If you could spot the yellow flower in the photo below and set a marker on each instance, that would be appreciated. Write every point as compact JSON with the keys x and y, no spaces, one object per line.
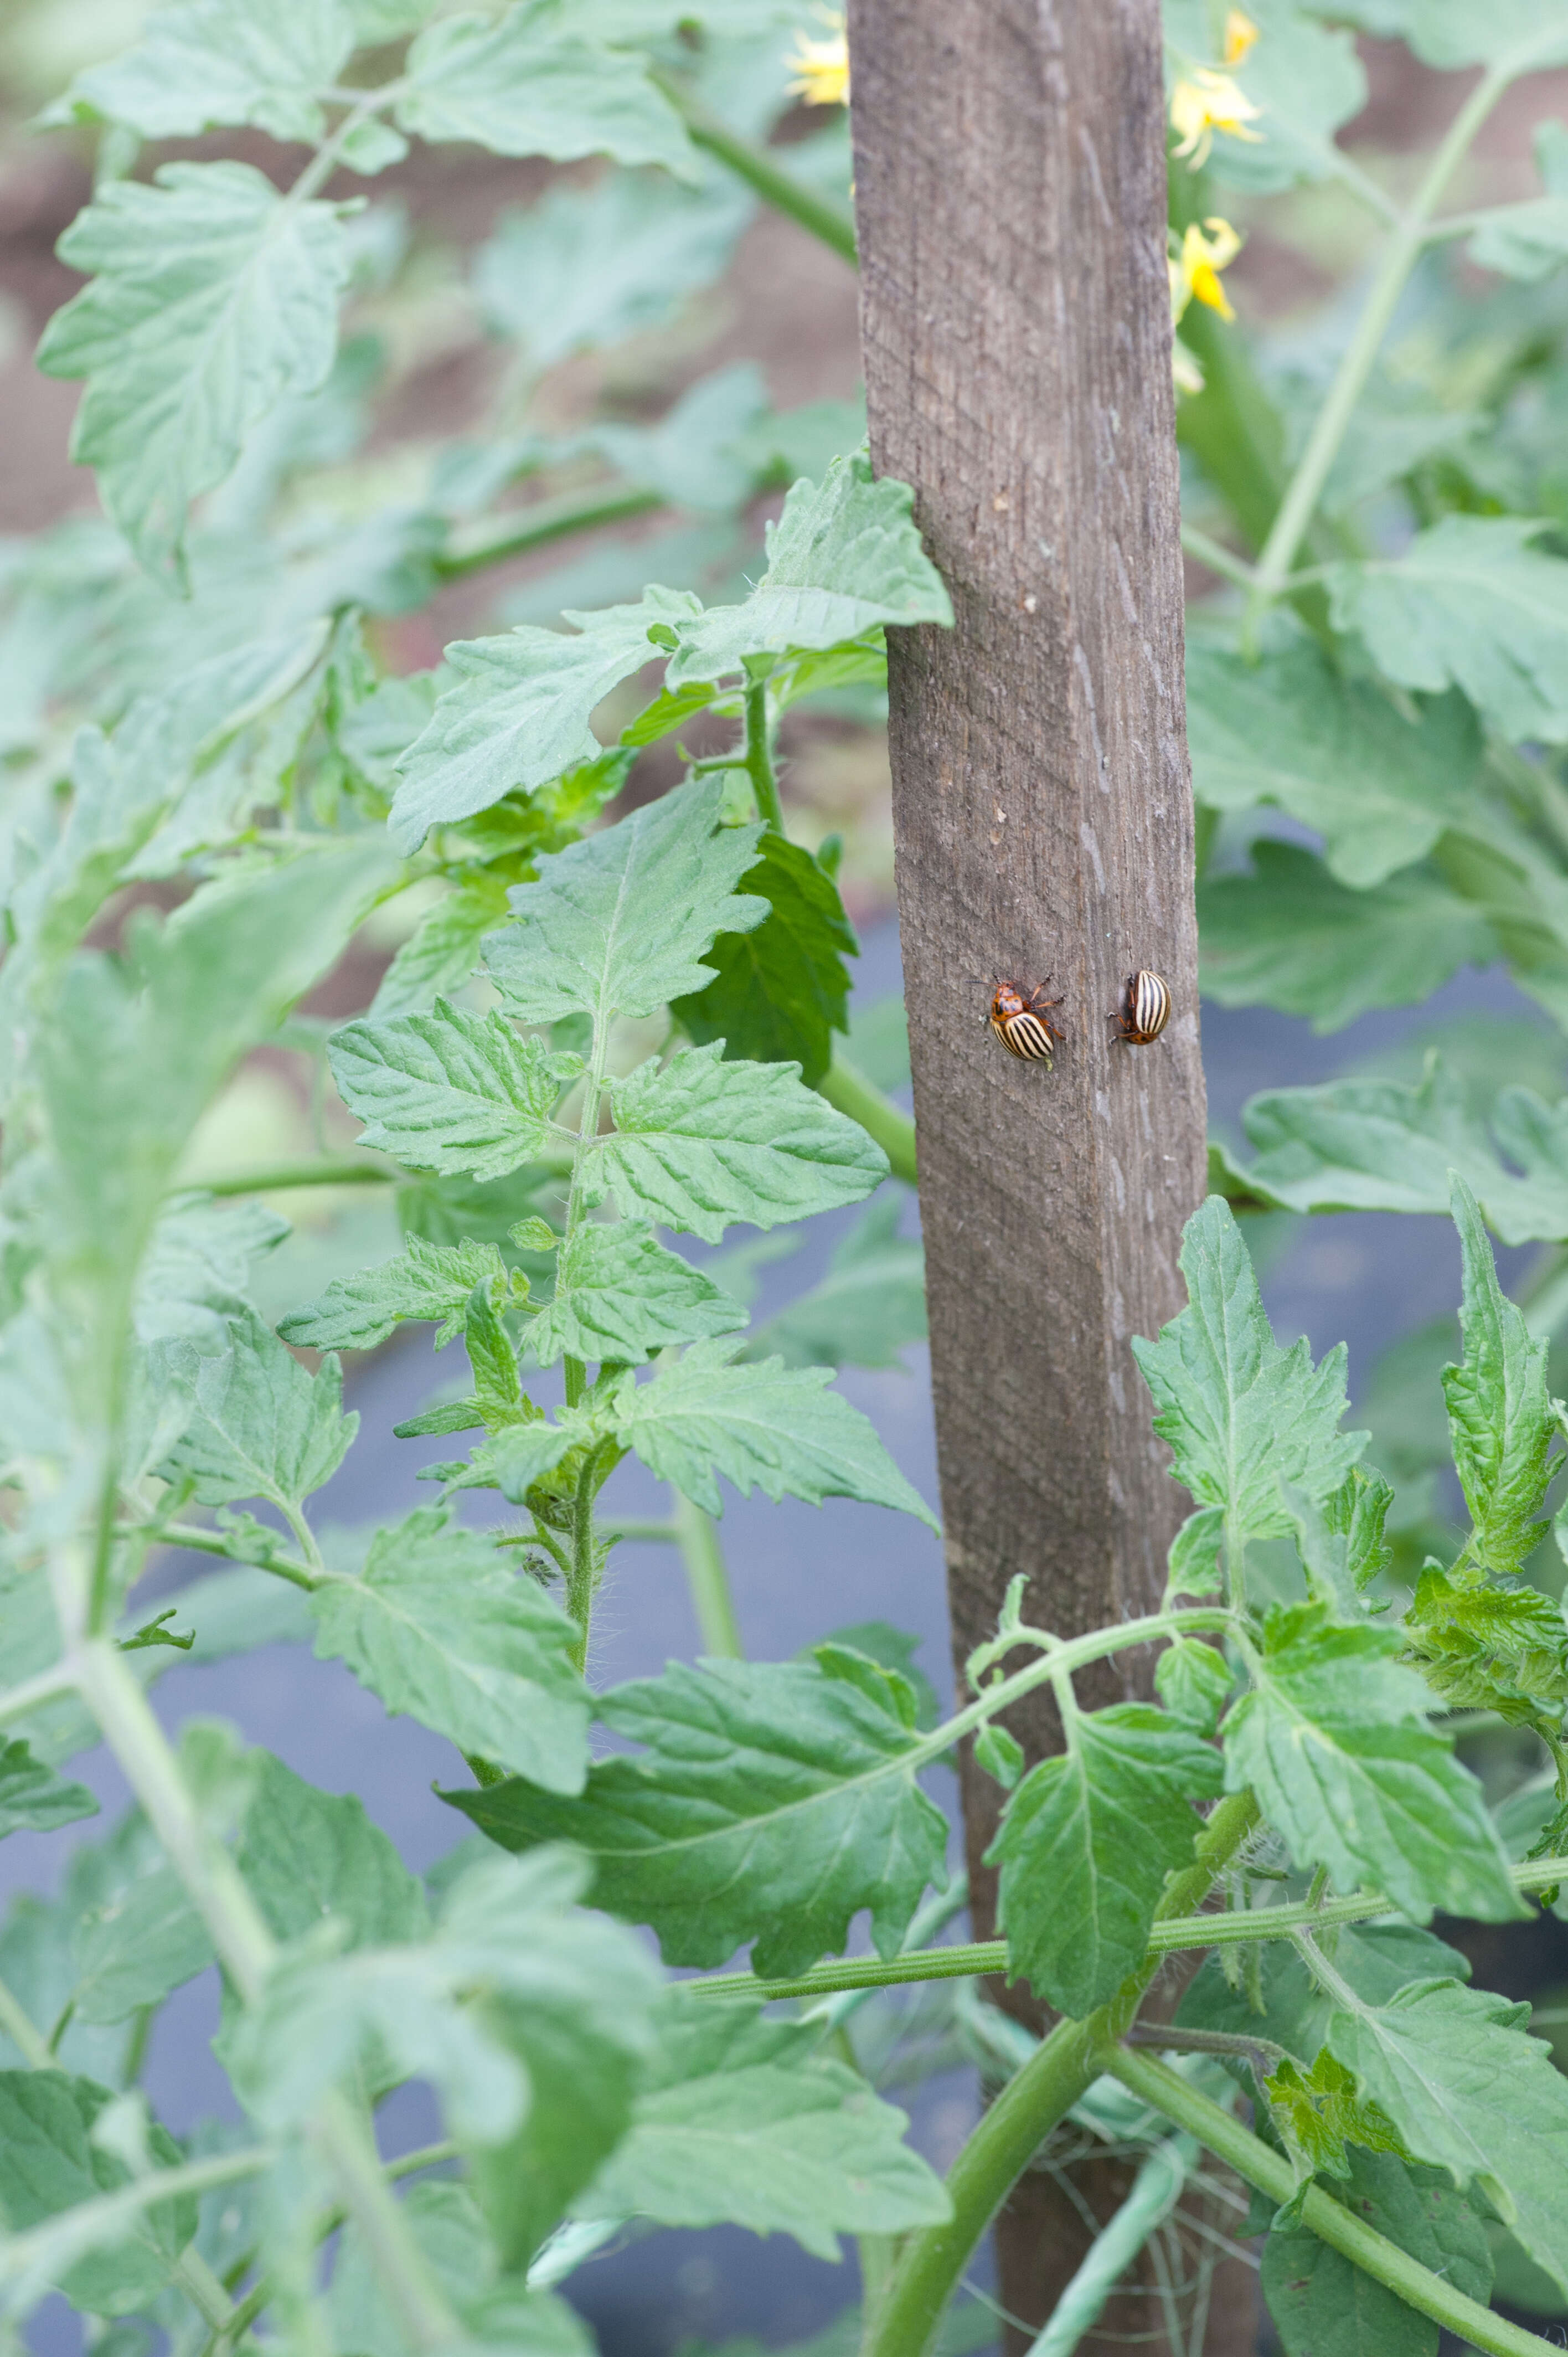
{"x":1210,"y":101}
{"x":1194,"y":271}
{"x":823,"y":67}
{"x":1240,"y":35}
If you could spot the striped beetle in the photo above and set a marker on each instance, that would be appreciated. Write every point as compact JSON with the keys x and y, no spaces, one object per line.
{"x":1021,"y":1020}
{"x":1144,"y":1011}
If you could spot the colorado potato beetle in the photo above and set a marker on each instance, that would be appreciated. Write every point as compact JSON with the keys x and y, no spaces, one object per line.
{"x":1021,"y":1019}
{"x":1144,"y":1011}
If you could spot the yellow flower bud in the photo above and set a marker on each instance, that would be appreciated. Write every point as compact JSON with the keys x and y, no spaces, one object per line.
{"x":1240,"y":35}
{"x":1208,"y":103}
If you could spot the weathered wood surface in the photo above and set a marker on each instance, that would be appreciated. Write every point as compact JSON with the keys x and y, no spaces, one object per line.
{"x":1010,"y":193}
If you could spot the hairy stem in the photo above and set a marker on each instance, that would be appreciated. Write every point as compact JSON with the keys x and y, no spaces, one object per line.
{"x":1163,"y":2088}
{"x":1060,"y":2069}
{"x":757,"y":757}
{"x":707,"y":1579}
{"x":757,"y":167}
{"x":582,"y":1576}
{"x":850,"y":1092}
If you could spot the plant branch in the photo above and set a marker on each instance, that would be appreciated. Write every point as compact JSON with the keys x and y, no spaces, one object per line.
{"x":757,"y":167}
{"x":31,"y":1695}
{"x":1158,"y":2085}
{"x":850,"y":1092}
{"x":1305,"y":485}
{"x":707,"y":1579}
{"x":23,"y":2033}
{"x":1058,"y":2073}
{"x":32,"y":2261}
{"x":1218,"y":558}
{"x":247,"y":1950}
{"x":970,"y":1959}
{"x":202,"y":1541}
{"x":334,"y":1171}
{"x":756,"y":758}
{"x":521,"y":529}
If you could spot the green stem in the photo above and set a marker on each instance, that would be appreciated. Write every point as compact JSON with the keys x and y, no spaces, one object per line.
{"x":33,"y":1693}
{"x":1218,"y":559}
{"x":521,"y":529}
{"x":582,"y":1572}
{"x":853,"y":1094}
{"x":757,"y":168}
{"x":246,"y":1949}
{"x":1059,"y":2073}
{"x":1306,"y":486}
{"x":202,"y":1541}
{"x":757,"y":758}
{"x":23,"y":2033}
{"x":256,"y":2298}
{"x":44,"y":2252}
{"x":707,"y":1579}
{"x":270,"y":1179}
{"x":1156,"y":2084}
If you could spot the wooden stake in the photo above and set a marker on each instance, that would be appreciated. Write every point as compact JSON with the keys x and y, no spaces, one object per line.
{"x":1010,"y":194}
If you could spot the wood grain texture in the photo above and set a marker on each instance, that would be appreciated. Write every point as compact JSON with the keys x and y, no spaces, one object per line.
{"x":1010,"y":194}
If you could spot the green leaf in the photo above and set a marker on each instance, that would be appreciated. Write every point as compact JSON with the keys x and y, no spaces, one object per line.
{"x":1192,"y":1562}
{"x":140,"y":1941}
{"x":518,"y":716}
{"x":443,"y":2221}
{"x":865,"y":1312}
{"x":450,"y":1090}
{"x":1085,"y":1846}
{"x":1239,"y":1413}
{"x":1305,"y":82}
{"x":48,"y":2163}
{"x":128,"y":1056}
{"x":1470,"y":604}
{"x":781,"y":1428}
{"x":1378,"y":1146}
{"x":443,"y":952}
{"x":197,"y":1265}
{"x":700,"y":1143}
{"x":1317,"y":2112}
{"x":213,"y":301}
{"x":621,"y":1294}
{"x":844,"y":556}
{"x":1488,"y":1646}
{"x":1194,"y":1682}
{"x":741,"y":2122}
{"x":1459,"y":32}
{"x":1290,"y":729}
{"x":512,"y":1948}
{"x":1470,"y":2092}
{"x":1500,"y":1413}
{"x":1523,"y":241}
{"x":773,"y":1802}
{"x":498,"y":1384}
{"x":1289,"y":936}
{"x":203,"y":62}
{"x":620,"y":922}
{"x":524,"y":1456}
{"x":584,"y":268}
{"x":1322,"y":2303}
{"x":781,"y":990}
{"x":1285,"y":2003}
{"x":429,"y":1282}
{"x":1332,"y":1739}
{"x":522,"y":85}
{"x":261,"y":1427}
{"x":310,"y":1856}
{"x":439,"y":1626}
{"x":33,"y":1799}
